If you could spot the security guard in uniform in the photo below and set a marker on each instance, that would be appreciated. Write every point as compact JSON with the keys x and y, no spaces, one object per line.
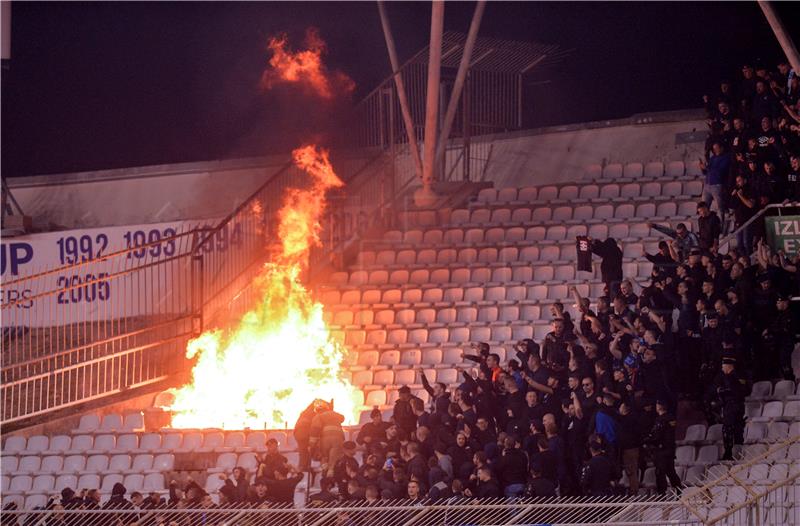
{"x":731,"y":390}
{"x":661,"y":444}
{"x":782,"y":334}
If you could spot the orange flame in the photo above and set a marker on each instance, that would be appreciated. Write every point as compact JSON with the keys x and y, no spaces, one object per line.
{"x":280,"y":357}
{"x":304,"y":67}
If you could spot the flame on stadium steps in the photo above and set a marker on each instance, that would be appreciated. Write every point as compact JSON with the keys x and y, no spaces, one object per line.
{"x":304,"y":67}
{"x":280,"y":357}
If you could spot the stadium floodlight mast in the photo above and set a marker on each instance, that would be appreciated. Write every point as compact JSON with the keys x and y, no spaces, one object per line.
{"x":784,"y":39}
{"x":434,"y":144}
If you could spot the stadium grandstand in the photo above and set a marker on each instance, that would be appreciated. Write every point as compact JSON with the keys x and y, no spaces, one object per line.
{"x":594,"y":323}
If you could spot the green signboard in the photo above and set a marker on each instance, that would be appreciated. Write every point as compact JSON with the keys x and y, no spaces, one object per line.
{"x":783,"y":233}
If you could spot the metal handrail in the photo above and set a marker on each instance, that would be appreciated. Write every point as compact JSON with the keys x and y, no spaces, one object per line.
{"x":727,"y":239}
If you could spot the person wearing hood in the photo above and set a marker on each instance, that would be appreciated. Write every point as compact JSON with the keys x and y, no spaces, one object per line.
{"x":611,"y":264}
{"x":119,"y":502}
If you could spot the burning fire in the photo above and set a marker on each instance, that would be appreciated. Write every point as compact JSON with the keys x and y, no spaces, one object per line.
{"x":304,"y":67}
{"x":266,"y":370}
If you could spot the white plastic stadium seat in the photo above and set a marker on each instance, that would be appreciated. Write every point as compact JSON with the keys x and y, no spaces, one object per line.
{"x":675,"y":169}
{"x":111,"y":422}
{"x":28,"y":465}
{"x":37,"y":444}
{"x":14,"y":444}
{"x":119,"y":463}
{"x":612,"y":171}
{"x":634,"y":170}
{"x":89,"y":423}
{"x":142,"y":463}
{"x":654,"y":169}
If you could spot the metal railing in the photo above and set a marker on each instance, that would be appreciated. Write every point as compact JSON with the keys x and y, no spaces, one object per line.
{"x":748,"y":491}
{"x":113,"y":322}
{"x":780,"y":508}
{"x":725,"y":241}
{"x":453,"y":512}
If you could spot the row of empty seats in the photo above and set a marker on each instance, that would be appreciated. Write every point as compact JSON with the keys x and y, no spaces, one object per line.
{"x":637,"y":170}
{"x":112,"y":422}
{"x":121,"y":463}
{"x":457,"y":295}
{"x":573,"y":192}
{"x":698,"y":434}
{"x":502,"y":272}
{"x":782,"y":389}
{"x":433,"y":318}
{"x":443,"y":336}
{"x":774,"y":410}
{"x":168,"y":442}
{"x":764,"y":473}
{"x":615,"y":211}
{"x":47,"y":484}
{"x":489,"y":236}
{"x":770,"y":432}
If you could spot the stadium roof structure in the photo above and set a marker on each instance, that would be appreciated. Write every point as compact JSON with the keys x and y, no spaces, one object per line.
{"x":494,"y":55}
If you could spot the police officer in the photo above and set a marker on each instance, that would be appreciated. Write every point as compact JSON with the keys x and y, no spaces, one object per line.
{"x":781,"y":332}
{"x":661,"y":444}
{"x":731,"y":390}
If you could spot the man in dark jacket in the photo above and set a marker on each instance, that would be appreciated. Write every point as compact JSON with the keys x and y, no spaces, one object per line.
{"x":512,"y":468}
{"x":416,"y":464}
{"x":731,"y":389}
{"x":403,"y":414}
{"x":709,"y":226}
{"x":782,"y":333}
{"x":538,"y":485}
{"x":119,"y":502}
{"x":600,"y":473}
{"x":662,"y":261}
{"x":661,"y":442}
{"x":373,"y":433}
{"x":487,"y":486}
{"x":440,"y":398}
{"x":611,"y":265}
{"x":629,"y":440}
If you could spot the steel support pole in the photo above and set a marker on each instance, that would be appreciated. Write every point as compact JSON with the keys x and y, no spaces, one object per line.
{"x":461,"y":76}
{"x":401,"y":90}
{"x":781,"y":34}
{"x":432,"y":95}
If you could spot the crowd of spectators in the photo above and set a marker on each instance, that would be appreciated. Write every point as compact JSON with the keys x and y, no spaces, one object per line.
{"x":752,"y":154}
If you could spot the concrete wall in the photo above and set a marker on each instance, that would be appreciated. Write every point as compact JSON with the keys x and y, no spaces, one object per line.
{"x":563,"y":156}
{"x":213,"y":189}
{"x":140,"y":195}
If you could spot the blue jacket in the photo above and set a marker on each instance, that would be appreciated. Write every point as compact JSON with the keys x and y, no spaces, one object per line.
{"x":717,"y":169}
{"x":605,"y":425}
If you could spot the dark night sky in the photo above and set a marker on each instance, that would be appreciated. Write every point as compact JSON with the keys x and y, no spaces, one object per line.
{"x":105,"y":85}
